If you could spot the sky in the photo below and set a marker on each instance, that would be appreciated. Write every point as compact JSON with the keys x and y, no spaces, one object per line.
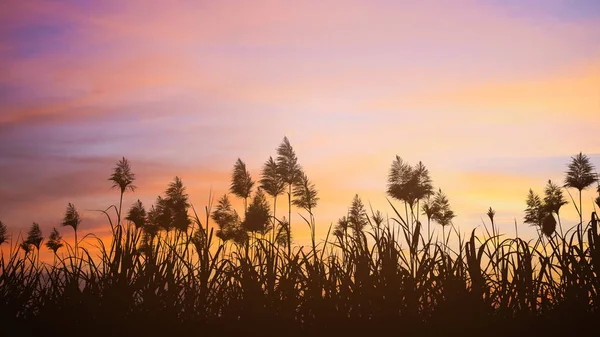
{"x":494,"y":97}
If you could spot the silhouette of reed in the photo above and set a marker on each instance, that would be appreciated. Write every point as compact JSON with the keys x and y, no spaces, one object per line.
{"x":168,"y":272}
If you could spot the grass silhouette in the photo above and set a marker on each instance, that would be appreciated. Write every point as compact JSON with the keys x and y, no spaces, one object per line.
{"x":166,"y":273}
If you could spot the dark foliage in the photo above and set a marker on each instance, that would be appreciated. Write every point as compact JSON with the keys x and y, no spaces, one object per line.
{"x":386,"y":278}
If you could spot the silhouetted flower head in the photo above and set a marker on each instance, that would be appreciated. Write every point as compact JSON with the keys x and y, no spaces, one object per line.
{"x":54,"y":241}
{"x":444,"y":214}
{"x":287,"y":163}
{"x":490,"y":214}
{"x":72,"y":217}
{"x":34,"y":236}
{"x":429,"y":208}
{"x":239,"y":235}
{"x":305,"y":193}
{"x":137,"y":214}
{"x":553,"y":198}
{"x":271,"y":180}
{"x":357,"y":215}
{"x":548,"y":225}
{"x":241,"y":181}
{"x":226,"y":218}
{"x":258,"y":215}
{"x":341,"y":227}
{"x":377,"y":218}
{"x":409,"y":184}
{"x":170,"y":212}
{"x":535,"y":211}
{"x":581,"y":172}
{"x":122,"y":177}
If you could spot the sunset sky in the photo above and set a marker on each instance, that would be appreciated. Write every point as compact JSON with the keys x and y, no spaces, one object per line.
{"x":494,"y":97}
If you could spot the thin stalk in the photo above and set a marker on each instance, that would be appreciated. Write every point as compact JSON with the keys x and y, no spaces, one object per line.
{"x":289,"y":221}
